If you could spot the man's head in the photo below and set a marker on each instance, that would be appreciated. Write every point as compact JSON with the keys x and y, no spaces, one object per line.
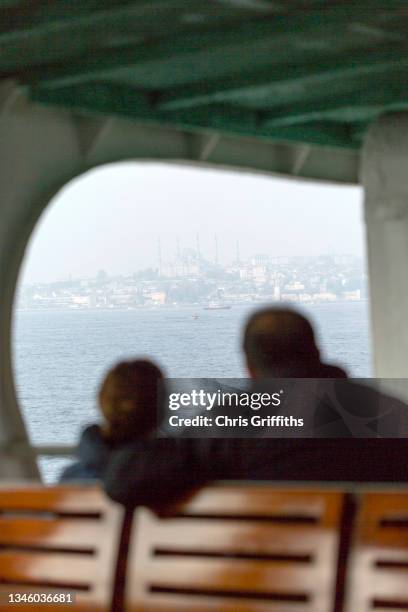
{"x":278,"y":340}
{"x":129,"y":400}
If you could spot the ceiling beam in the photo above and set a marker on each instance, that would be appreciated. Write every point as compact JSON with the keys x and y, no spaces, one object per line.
{"x":34,"y":16}
{"x":101,"y":98}
{"x":225,"y":39}
{"x":280,"y":80}
{"x":29,"y":16}
{"x":260,"y":6}
{"x":351,"y":107}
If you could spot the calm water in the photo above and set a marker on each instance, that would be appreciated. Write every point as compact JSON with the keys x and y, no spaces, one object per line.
{"x":60,"y":356}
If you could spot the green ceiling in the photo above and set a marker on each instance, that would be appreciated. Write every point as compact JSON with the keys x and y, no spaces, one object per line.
{"x":307,"y":71}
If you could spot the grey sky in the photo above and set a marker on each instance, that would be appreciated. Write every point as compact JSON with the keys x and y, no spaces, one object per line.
{"x":111,"y":218}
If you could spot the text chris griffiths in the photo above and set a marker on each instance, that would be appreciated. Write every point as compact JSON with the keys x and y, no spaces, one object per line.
{"x":225,"y":421}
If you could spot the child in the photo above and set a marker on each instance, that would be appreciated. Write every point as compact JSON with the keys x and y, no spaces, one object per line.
{"x":128,"y":401}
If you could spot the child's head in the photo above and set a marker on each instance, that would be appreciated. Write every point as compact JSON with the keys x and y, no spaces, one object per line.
{"x":128,"y":399}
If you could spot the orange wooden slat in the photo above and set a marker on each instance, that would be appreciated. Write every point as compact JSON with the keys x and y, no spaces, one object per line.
{"x":265,"y":501}
{"x":232,"y":536}
{"x":54,"y":532}
{"x":187,"y":603}
{"x":379,"y":507}
{"x":81,"y":499}
{"x":235,"y":574}
{"x":47,"y":567}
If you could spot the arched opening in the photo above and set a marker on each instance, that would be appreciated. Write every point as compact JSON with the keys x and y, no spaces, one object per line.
{"x":168,"y":261}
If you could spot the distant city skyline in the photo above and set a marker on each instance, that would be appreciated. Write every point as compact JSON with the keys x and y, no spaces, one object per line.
{"x":193,"y":280}
{"x":127,"y":217}
{"x":189,"y":253}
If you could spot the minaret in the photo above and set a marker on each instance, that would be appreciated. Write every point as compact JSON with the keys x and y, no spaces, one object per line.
{"x":198,"y":251}
{"x":216,"y":249}
{"x":159,"y":256}
{"x":238,"y":257}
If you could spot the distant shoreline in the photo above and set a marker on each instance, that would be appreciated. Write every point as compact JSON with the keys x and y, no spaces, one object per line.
{"x":191,"y":306}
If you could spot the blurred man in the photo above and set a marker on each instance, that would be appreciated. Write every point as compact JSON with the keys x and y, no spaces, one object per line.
{"x":280,"y":343}
{"x":277,"y":344}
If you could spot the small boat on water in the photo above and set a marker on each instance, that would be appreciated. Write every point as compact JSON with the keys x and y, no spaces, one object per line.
{"x":217,"y":306}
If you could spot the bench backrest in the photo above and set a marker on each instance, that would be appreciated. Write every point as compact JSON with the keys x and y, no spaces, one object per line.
{"x":59,"y":538}
{"x":378,"y":564}
{"x":229,"y":548}
{"x":238,"y":548}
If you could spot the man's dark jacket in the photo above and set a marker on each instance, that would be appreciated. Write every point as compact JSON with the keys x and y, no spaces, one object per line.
{"x":156,"y":472}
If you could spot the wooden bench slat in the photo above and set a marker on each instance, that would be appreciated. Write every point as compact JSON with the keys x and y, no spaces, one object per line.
{"x":324,"y":506}
{"x":269,"y":576}
{"x":231,"y":536}
{"x":63,"y":532}
{"x":377,"y":508}
{"x":48,"y":567}
{"x":383,"y":582}
{"x":186,"y":603}
{"x":390,"y":584}
{"x":71,"y":499}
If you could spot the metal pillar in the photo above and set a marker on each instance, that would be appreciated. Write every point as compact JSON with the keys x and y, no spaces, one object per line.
{"x":384,"y":174}
{"x":38,"y":152}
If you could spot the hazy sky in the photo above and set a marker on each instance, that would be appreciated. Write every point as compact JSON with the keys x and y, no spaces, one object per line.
{"x":111,"y":219}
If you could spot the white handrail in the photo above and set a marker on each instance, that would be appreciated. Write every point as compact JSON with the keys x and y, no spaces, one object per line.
{"x":60,"y":450}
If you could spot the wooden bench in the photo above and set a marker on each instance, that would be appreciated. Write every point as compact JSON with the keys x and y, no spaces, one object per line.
{"x":232,"y":548}
{"x":238,"y":548}
{"x":378,"y":565}
{"x":59,"y":539}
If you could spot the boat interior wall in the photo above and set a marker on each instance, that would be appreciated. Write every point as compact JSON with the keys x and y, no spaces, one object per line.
{"x":384,"y":170}
{"x":39,"y":152}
